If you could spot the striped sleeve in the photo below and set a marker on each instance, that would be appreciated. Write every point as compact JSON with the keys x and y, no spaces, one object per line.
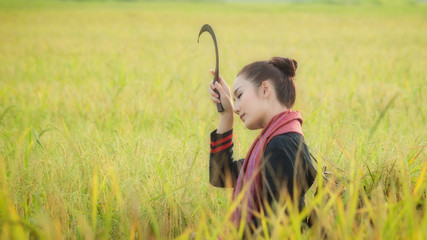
{"x":221,"y":141}
{"x":223,"y":169}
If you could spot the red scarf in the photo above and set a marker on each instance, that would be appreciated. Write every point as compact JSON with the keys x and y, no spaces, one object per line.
{"x":284,"y":122}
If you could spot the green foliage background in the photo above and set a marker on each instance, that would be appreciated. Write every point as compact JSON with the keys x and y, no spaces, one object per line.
{"x":105,"y":115}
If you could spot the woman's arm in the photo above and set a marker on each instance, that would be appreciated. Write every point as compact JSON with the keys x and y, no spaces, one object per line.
{"x":223,"y":170}
{"x":225,"y":123}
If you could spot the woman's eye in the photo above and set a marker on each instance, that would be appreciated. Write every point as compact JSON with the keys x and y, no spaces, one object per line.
{"x":239,"y":96}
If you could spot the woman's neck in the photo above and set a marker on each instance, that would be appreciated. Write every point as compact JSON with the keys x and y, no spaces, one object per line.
{"x":273,"y":112}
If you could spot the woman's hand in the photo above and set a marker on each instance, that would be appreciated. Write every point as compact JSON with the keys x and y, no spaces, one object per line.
{"x":225,"y":95}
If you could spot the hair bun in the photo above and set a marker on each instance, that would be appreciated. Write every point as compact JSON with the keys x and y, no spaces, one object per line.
{"x":287,"y":65}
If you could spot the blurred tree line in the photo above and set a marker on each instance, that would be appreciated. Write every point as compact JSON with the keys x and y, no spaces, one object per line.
{"x":307,"y":1}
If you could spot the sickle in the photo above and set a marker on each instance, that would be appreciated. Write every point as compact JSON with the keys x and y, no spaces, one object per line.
{"x":208,"y":28}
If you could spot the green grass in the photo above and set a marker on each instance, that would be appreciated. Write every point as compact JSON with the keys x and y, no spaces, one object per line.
{"x":105,"y":116}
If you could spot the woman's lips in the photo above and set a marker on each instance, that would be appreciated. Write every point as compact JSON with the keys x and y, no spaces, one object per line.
{"x":241,"y":117}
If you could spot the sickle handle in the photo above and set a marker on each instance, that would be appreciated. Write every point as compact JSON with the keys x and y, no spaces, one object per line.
{"x":208,"y":28}
{"x":219,"y":106}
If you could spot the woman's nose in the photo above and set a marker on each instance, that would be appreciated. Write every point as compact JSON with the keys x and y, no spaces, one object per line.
{"x":236,"y":109}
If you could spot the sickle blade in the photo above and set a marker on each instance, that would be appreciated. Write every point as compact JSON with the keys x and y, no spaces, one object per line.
{"x":208,"y":28}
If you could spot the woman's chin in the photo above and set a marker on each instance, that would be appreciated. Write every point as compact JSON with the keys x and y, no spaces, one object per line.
{"x":249,"y":126}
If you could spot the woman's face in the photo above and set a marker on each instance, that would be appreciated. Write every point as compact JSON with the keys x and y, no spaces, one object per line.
{"x":248,"y":104}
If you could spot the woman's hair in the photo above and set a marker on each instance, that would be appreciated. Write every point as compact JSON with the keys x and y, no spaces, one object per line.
{"x":281,"y":71}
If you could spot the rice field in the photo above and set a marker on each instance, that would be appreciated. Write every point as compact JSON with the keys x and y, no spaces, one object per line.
{"x":105,"y":116}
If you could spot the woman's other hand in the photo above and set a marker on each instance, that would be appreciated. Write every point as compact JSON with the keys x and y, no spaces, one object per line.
{"x":224,"y":92}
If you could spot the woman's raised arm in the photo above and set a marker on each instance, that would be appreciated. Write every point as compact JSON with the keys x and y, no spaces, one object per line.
{"x":223,"y":169}
{"x":226,"y":118}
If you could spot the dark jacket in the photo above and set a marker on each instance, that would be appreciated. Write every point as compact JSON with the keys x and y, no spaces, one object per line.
{"x":286,"y":161}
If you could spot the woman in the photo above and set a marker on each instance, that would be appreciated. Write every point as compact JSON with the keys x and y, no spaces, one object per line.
{"x":278,"y":162}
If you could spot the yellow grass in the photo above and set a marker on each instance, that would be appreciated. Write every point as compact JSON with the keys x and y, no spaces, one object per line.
{"x":105,"y":116}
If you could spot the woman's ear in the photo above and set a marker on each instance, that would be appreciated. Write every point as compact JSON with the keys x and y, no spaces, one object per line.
{"x":266,"y":89}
